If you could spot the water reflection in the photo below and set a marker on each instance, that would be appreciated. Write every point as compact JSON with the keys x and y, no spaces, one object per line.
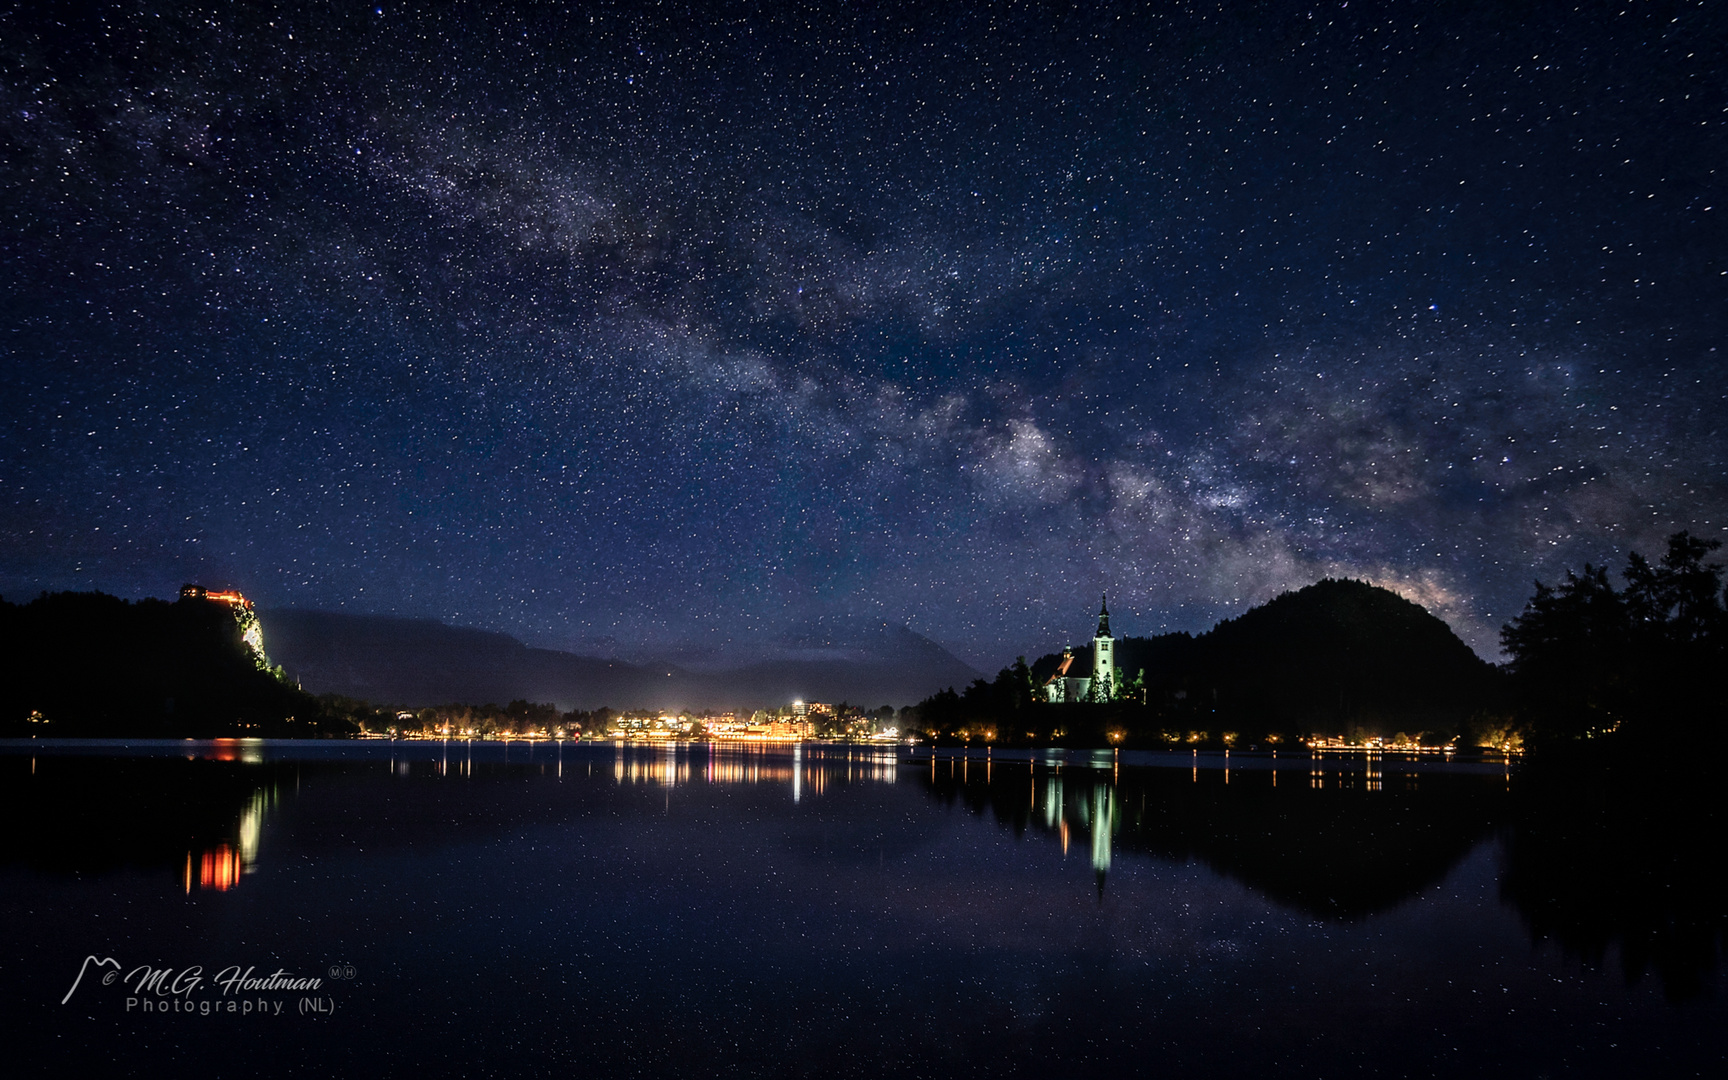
{"x":1103,"y":825}
{"x":1620,"y":865}
{"x":202,"y":813}
{"x":220,"y":867}
{"x":804,"y":769}
{"x":1614,"y":867}
{"x":1342,"y":846}
{"x":1330,"y":853}
{"x":202,"y":809}
{"x":250,"y":751}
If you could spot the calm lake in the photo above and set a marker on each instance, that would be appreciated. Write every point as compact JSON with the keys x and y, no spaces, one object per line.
{"x":482,"y":909}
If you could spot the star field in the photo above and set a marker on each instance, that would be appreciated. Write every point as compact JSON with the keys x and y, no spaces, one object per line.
{"x":659,"y":329}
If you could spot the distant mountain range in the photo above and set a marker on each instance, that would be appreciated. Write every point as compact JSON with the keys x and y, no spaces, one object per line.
{"x":417,"y":662}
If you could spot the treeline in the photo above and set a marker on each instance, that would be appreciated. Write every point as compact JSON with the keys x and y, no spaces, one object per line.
{"x":1338,"y":658}
{"x":528,"y":718}
{"x":89,"y":664}
{"x":462,"y":721}
{"x":1639,"y":663}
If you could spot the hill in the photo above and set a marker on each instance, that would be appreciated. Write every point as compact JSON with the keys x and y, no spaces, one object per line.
{"x":1327,"y":658}
{"x":89,"y":664}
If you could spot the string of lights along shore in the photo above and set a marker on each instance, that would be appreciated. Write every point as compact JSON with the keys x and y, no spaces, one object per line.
{"x":714,"y":335}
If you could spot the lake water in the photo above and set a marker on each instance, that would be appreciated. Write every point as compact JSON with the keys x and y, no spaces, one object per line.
{"x":479,"y":909}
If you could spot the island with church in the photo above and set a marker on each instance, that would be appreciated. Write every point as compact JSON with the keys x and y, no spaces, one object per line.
{"x":1339,"y":661}
{"x":1348,"y":663}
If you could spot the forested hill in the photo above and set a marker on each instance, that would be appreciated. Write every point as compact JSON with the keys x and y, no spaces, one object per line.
{"x":89,"y":664}
{"x":1333,"y":656}
{"x":1342,"y":652}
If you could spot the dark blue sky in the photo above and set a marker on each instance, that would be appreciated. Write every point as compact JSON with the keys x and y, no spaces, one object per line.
{"x":669,"y":328}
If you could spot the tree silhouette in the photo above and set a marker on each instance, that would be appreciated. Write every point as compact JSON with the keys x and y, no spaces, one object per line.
{"x":1569,"y":651}
{"x":1588,"y":661}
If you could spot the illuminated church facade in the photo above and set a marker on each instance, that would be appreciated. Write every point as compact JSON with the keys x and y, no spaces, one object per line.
{"x":1068,"y":684}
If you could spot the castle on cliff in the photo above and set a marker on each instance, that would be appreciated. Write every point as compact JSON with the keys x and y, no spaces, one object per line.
{"x":251,"y":633}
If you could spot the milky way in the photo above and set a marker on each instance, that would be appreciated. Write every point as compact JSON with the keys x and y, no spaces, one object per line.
{"x":668,"y":329}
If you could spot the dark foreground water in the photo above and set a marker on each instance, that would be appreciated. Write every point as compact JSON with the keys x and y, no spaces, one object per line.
{"x":482,"y":910}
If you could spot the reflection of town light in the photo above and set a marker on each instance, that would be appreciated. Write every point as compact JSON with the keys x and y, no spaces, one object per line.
{"x":217,"y":869}
{"x":220,"y":867}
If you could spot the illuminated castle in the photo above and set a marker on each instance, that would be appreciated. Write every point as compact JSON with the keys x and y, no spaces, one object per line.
{"x":1101,"y":684}
{"x":250,"y":631}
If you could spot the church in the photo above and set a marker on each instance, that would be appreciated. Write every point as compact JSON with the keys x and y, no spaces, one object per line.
{"x":1068,"y":685}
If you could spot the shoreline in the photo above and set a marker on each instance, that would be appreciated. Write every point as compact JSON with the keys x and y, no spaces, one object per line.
{"x":257,"y":750}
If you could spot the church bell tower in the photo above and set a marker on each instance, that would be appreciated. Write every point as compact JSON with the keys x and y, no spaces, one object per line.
{"x":1103,"y":656}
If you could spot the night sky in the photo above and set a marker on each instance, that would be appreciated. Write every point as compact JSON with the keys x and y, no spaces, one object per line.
{"x":666,"y":330}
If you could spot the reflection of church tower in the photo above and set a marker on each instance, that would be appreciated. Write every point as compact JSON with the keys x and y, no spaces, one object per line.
{"x":1103,"y":821}
{"x":1103,"y":656}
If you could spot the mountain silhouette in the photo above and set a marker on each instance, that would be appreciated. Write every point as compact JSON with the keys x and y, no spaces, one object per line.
{"x":416,"y":662}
